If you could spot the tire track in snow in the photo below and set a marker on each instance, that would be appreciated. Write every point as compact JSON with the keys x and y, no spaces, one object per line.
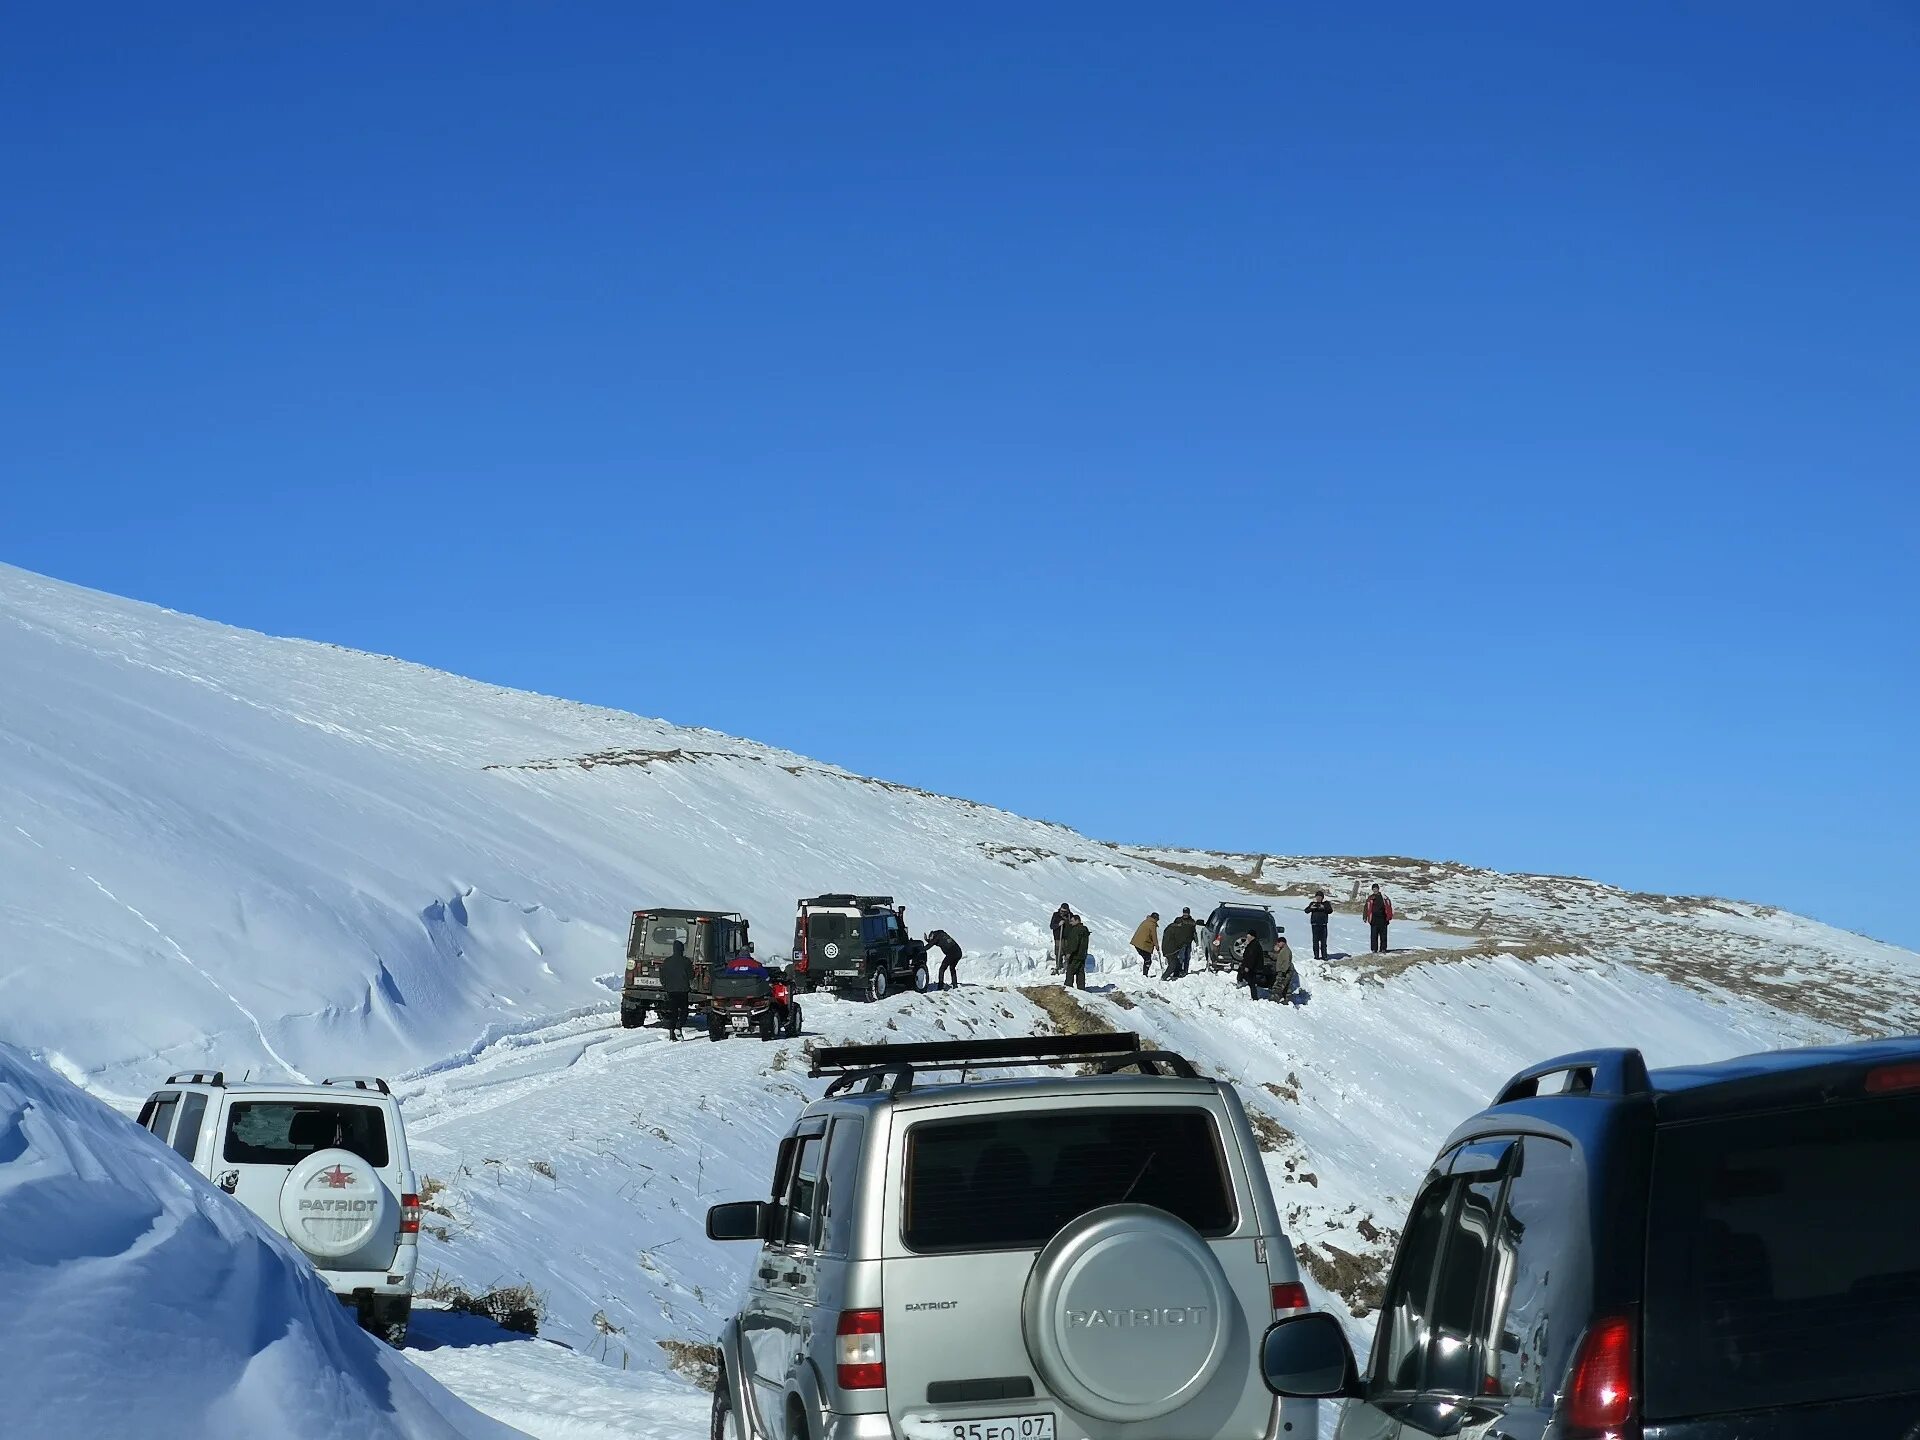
{"x":184,"y":958}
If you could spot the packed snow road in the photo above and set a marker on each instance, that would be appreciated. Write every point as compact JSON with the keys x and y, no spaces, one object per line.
{"x":582,"y":1157}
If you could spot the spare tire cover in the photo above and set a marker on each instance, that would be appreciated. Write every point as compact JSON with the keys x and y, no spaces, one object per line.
{"x":1127,"y":1314}
{"x":334,"y":1203}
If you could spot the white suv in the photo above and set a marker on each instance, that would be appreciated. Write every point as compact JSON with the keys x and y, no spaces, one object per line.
{"x":325,"y":1165}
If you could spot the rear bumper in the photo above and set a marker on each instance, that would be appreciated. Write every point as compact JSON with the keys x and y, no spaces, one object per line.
{"x":396,"y":1281}
{"x":858,"y":1427}
{"x":1290,"y":1420}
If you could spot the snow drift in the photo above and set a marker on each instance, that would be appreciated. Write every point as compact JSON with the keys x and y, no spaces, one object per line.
{"x":135,"y":1289}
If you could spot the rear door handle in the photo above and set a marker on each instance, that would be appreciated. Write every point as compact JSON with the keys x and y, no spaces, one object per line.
{"x":793,"y":1277}
{"x":768,"y":1275}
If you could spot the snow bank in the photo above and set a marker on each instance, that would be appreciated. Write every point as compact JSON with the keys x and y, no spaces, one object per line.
{"x":140,"y":1300}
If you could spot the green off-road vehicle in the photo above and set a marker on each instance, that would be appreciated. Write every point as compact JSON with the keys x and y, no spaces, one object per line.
{"x":711,"y":938}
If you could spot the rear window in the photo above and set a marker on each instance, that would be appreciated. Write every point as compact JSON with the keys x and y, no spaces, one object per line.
{"x":283,"y":1132}
{"x":1783,"y":1261}
{"x":1240,"y":922}
{"x":656,"y":933}
{"x":1009,"y":1182}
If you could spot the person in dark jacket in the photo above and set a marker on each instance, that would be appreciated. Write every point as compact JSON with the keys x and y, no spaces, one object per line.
{"x":1176,"y":943}
{"x":1319,"y":912}
{"x":676,"y":978}
{"x":1377,"y":912}
{"x":1059,"y":920}
{"x":1253,"y":963}
{"x":949,"y":949}
{"x":1073,"y":949}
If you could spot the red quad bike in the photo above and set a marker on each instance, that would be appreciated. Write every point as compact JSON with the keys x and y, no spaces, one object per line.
{"x":749,"y":999}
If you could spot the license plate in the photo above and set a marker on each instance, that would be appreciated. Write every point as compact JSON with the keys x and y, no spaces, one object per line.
{"x":1001,"y":1427}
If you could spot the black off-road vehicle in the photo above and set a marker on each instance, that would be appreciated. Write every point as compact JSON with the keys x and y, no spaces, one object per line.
{"x":1228,"y":922}
{"x":856,"y":945}
{"x":711,"y":938}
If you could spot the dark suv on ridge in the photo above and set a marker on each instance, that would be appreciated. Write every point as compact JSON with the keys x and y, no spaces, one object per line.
{"x":1720,"y":1252}
{"x":1228,"y":922}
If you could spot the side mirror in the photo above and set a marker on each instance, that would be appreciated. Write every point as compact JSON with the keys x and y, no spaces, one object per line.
{"x":1306,"y":1357}
{"x":740,"y":1220}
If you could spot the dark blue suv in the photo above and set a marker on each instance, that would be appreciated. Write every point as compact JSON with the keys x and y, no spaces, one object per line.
{"x":1727,"y":1252}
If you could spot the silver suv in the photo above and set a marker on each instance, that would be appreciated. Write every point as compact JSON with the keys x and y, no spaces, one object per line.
{"x":325,"y":1165}
{"x":1093,"y":1255}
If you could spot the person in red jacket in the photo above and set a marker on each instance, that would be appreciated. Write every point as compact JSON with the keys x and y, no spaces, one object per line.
{"x":1377,"y":912}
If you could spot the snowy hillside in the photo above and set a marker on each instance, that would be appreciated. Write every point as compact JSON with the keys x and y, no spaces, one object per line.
{"x":218,"y":848}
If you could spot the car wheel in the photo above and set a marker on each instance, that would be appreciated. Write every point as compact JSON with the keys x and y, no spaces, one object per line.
{"x":387,"y":1316}
{"x":922,"y":981}
{"x":722,"y":1426}
{"x":877,"y":986}
{"x":794,"y":1023}
{"x":633,"y":1019}
{"x":768,"y":1025}
{"x":716,"y":1028}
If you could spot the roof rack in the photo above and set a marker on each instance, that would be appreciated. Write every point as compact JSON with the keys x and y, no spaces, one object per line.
{"x":866,"y":1069}
{"x":358,"y":1082}
{"x":861,"y":902}
{"x":199,"y":1077}
{"x":1614,"y":1073}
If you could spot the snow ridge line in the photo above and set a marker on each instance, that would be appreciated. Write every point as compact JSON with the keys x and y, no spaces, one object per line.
{"x":185,"y":959}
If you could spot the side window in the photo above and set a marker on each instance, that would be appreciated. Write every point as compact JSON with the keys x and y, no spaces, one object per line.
{"x":186,"y":1135}
{"x":145,"y":1118}
{"x":164,"y":1106}
{"x":803,"y":1199}
{"x":873,"y":929}
{"x":842,"y":1188}
{"x":1460,"y":1301}
{"x":1539,"y":1300}
{"x":1403,"y":1321}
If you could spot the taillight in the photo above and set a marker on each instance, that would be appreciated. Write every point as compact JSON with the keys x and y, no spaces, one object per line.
{"x":860,"y":1351}
{"x":409,"y":1214}
{"x":1600,"y":1399}
{"x":1889,"y":1078}
{"x":1289,"y":1297}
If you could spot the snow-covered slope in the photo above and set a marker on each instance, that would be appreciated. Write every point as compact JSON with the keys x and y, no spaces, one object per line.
{"x":117,"y":1261}
{"x":217,"y":847}
{"x":220,"y":848}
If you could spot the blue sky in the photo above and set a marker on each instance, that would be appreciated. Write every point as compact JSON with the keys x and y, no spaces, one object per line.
{"x":1483,"y":432}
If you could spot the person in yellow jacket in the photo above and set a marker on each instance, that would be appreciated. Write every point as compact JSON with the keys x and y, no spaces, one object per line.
{"x":1145,"y":939}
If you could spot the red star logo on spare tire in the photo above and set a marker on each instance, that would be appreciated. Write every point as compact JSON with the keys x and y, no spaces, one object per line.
{"x":338,"y":1178}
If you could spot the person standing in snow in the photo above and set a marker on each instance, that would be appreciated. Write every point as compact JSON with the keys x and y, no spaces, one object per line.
{"x":1285,"y":978}
{"x":949,"y":949}
{"x":1176,"y":943}
{"x":1253,"y":963}
{"x":1058,"y":923}
{"x":676,"y":978}
{"x":1073,"y":949}
{"x":1145,"y":938}
{"x":1377,"y":912}
{"x":1319,"y":912}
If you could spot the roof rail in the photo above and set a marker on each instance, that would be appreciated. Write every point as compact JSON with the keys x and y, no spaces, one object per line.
{"x":1616,"y":1073}
{"x":199,"y":1077}
{"x":359,"y":1082}
{"x":894,"y":1068}
{"x":840,"y":899}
